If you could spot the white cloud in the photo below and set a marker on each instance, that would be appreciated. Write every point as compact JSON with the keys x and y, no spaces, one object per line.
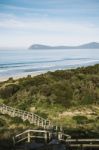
{"x":13,"y":22}
{"x":24,"y":32}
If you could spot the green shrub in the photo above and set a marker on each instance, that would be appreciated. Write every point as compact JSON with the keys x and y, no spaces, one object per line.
{"x":2,"y":122}
{"x":9,"y":90}
{"x":81,"y":119}
{"x":17,"y":120}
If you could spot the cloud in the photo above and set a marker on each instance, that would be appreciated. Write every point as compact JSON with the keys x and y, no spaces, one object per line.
{"x":24,"y":32}
{"x":52,"y":22}
{"x":45,"y":24}
{"x":55,"y":8}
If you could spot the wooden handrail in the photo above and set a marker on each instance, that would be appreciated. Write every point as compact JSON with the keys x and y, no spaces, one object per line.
{"x":25,"y":115}
{"x":32,"y":118}
{"x":44,"y":134}
{"x":39,"y":131}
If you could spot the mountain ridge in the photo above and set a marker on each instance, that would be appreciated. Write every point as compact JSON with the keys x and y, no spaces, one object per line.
{"x":91,"y":45}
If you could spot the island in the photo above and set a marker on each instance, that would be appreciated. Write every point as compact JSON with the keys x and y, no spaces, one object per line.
{"x":92,"y":45}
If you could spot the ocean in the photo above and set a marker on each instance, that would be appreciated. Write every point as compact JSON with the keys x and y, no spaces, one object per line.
{"x":19,"y":62}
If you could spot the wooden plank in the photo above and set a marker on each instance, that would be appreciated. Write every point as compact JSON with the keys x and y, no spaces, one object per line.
{"x":21,"y":140}
{"x":82,"y":140}
{"x":84,"y":145}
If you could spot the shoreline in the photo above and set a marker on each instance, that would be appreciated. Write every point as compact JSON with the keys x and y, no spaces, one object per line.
{"x":33,"y":74}
{"x":16,"y":77}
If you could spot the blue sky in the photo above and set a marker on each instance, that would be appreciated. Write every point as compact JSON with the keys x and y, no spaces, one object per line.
{"x":54,"y":22}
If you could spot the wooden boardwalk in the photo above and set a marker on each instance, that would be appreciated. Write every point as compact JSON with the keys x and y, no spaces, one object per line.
{"x":24,"y":115}
{"x":46,"y":125}
{"x":45,"y":133}
{"x":81,"y":144}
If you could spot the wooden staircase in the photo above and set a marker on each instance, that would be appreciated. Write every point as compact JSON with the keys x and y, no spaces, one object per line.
{"x":25,"y":115}
{"x":39,"y":134}
{"x":44,"y":134}
{"x":26,"y":136}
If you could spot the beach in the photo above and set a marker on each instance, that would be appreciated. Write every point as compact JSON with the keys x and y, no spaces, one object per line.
{"x":21,"y":63}
{"x":2,"y":79}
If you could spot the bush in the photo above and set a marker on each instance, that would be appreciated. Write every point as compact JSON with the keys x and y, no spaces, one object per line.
{"x":9,"y":90}
{"x":2,"y":122}
{"x":17,"y":120}
{"x":81,"y":119}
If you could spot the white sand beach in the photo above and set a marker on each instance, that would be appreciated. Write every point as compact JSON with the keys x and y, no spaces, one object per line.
{"x":2,"y":79}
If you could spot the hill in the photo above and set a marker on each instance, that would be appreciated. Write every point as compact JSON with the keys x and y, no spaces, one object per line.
{"x":92,"y":45}
{"x":67,"y":97}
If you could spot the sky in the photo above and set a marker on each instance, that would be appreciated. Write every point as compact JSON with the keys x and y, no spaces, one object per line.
{"x":51,"y":22}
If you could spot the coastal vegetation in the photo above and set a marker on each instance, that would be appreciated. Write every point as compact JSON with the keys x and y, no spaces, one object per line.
{"x":69,"y":98}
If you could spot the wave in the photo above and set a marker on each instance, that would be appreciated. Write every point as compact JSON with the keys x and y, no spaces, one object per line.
{"x":24,"y":64}
{"x":8,"y":70}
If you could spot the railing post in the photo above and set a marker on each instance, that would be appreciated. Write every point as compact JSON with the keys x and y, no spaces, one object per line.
{"x":29,"y":137}
{"x":59,"y":135}
{"x":49,"y":135}
{"x":61,"y":129}
{"x":13,"y":113}
{"x":13,"y":141}
{"x":45,"y":137}
{"x":32,"y":118}
{"x":44,"y":124}
{"x":38,"y":122}
{"x":81,"y":146}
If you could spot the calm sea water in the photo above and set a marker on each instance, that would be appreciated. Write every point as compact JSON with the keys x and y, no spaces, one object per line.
{"x":24,"y":62}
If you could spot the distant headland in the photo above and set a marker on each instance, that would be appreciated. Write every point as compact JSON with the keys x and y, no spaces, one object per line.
{"x":92,"y":45}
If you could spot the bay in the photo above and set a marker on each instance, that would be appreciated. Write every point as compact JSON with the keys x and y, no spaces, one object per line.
{"x":19,"y":62}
